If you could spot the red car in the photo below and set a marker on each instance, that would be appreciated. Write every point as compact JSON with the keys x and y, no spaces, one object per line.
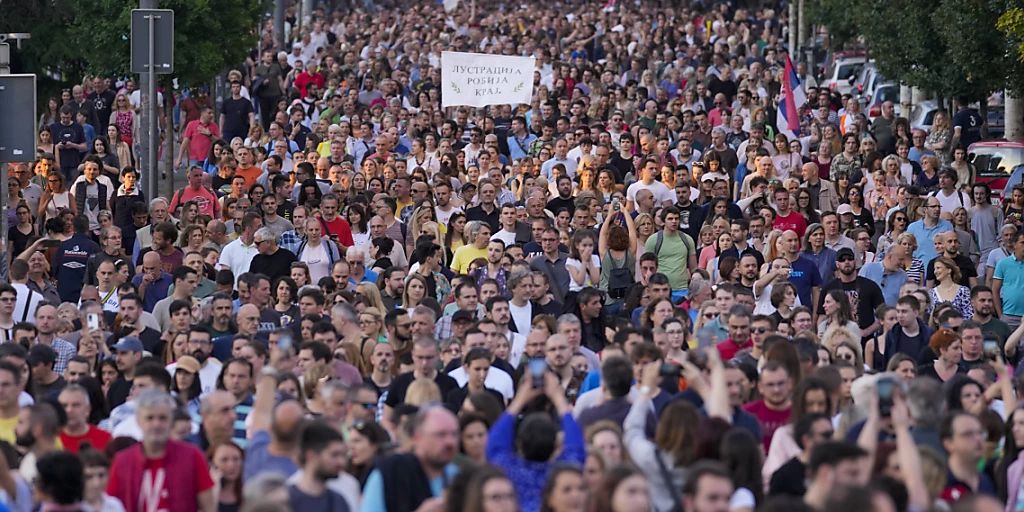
{"x":998,"y":163}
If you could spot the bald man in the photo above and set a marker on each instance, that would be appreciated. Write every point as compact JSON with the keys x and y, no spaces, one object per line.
{"x":151,"y":281}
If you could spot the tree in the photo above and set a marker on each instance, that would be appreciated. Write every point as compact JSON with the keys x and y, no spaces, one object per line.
{"x":1011,"y":23}
{"x":72,"y":38}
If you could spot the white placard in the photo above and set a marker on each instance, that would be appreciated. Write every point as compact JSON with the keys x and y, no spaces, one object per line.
{"x":478,"y":79}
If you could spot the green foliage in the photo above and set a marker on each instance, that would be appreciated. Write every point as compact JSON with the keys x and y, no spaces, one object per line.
{"x":950,"y":47}
{"x":72,"y":38}
{"x":1011,"y":23}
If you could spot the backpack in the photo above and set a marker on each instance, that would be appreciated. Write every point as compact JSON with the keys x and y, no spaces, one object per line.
{"x":687,"y":241}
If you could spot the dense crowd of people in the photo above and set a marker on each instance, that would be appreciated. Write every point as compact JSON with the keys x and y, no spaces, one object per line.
{"x":635,"y":293}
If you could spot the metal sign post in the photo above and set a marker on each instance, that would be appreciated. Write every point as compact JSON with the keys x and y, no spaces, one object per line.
{"x":17,"y":138}
{"x":152,"y":53}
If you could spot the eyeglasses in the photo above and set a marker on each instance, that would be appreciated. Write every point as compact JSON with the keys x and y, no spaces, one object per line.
{"x":844,"y":258}
{"x":759,"y":330}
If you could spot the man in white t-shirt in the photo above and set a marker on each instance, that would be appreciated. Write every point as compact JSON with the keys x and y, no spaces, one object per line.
{"x":949,"y":197}
{"x":662,"y":194}
{"x":444,"y":208}
{"x":507,"y":218}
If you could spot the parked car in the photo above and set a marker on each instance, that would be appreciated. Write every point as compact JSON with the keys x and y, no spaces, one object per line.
{"x":867,"y":80}
{"x":843,"y":73}
{"x":922,"y":114}
{"x":883,"y":92}
{"x":999,"y":163}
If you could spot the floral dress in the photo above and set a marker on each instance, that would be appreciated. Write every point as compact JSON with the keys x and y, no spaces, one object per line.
{"x":961,"y":301}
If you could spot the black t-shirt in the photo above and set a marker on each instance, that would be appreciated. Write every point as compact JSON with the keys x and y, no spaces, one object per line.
{"x":103,"y":104}
{"x":967,"y":269}
{"x":969,"y":122}
{"x":236,"y":115}
{"x":273,"y":265}
{"x":558,"y":203}
{"x":329,"y":501}
{"x":789,"y":480}
{"x":396,"y":394}
{"x":72,"y":133}
{"x":620,"y":167}
{"x":864,"y":295}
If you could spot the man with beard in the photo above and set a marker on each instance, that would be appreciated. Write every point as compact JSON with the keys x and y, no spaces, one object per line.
{"x":394,"y":285}
{"x":749,"y":272}
{"x":130,"y":312}
{"x":381,"y":360}
{"x":200,"y":346}
{"x":412,"y":481}
{"x":322,"y":453}
{"x":992,"y":328}
{"x":865,"y":294}
{"x":398,"y":326}
{"x":564,"y":199}
{"x":834,"y":466}
{"x":38,"y":433}
{"x":145,"y":473}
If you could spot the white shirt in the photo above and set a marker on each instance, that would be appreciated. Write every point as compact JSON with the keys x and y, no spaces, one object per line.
{"x":28,"y":301}
{"x":521,"y":316}
{"x":316,"y":259}
{"x":508,"y":237}
{"x":660,"y":190}
{"x":952,"y":201}
{"x":237,"y":256}
{"x":207,"y":375}
{"x":496,"y":379}
{"x":576,"y":264}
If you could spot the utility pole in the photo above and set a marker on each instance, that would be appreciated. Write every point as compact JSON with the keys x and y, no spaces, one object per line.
{"x":801,"y":24}
{"x":149,"y":146}
{"x":279,"y":24}
{"x":793,"y":31}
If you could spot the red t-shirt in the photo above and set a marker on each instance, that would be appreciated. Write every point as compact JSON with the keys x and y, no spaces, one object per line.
{"x":769,"y":419}
{"x":159,"y":484}
{"x":340,"y":228}
{"x":251,"y":174}
{"x":793,"y":221}
{"x":728,"y":348}
{"x":96,"y":437}
{"x":198,"y":143}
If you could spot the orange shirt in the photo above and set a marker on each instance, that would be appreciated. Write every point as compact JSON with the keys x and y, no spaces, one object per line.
{"x":250,"y":174}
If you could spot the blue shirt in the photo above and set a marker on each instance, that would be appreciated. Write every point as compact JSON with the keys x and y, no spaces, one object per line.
{"x":527,"y":476}
{"x":258,"y":460}
{"x":804,"y":276}
{"x":369,"y":277}
{"x":1010,"y":271}
{"x":520,"y":149}
{"x":156,"y":291}
{"x":924,"y":235}
{"x":889,"y":282}
{"x":373,"y":491}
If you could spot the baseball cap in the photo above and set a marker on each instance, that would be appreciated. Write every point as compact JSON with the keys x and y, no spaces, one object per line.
{"x":187,"y":363}
{"x":129,"y":344}
{"x":41,"y":354}
{"x":844,"y":252}
{"x":844,"y":208}
{"x":462,"y":316}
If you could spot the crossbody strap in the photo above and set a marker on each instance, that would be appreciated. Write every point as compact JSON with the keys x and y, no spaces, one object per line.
{"x":669,"y":486}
